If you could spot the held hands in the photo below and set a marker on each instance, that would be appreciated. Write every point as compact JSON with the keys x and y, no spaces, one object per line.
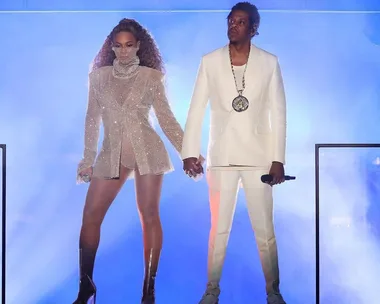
{"x":278,"y":173}
{"x":193,"y":166}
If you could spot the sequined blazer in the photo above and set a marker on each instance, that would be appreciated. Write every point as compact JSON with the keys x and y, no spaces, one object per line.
{"x":124,"y":110}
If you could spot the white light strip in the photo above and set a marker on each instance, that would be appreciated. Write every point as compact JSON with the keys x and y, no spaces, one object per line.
{"x":182,"y":11}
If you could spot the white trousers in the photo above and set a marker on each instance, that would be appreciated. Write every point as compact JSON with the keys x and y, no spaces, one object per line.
{"x":223,"y":190}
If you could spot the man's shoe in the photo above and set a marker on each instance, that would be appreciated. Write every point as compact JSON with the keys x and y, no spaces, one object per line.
{"x":275,"y":298}
{"x":211,"y":295}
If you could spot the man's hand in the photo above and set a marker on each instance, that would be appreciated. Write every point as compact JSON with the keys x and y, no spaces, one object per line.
{"x":278,"y":173}
{"x":192,"y":166}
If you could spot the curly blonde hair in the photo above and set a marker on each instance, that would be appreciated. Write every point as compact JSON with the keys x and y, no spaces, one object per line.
{"x":148,"y":53}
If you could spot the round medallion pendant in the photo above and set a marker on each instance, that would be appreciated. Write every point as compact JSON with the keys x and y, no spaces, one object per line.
{"x":240,"y":103}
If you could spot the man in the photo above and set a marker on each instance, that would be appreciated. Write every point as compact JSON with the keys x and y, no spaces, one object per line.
{"x":247,"y":139}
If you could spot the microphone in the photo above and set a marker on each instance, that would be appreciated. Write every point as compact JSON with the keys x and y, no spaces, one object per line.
{"x":268,"y":178}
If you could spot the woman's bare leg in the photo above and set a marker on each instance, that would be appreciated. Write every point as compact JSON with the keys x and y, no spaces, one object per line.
{"x":148,"y":194}
{"x":100,"y":195}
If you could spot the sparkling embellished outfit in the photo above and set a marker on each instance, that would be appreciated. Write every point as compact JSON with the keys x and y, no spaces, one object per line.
{"x":121,"y":97}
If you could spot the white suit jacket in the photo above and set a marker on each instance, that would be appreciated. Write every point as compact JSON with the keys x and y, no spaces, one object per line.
{"x":255,"y":137}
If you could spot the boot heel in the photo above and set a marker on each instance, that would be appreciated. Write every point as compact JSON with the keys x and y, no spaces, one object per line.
{"x":87,"y":294}
{"x":92,"y":299}
{"x":87,"y":288}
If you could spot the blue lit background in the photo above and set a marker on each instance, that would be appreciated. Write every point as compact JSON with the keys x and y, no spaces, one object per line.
{"x":331,"y":68}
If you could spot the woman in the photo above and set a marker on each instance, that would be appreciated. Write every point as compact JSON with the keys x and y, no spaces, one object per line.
{"x":125,"y":82}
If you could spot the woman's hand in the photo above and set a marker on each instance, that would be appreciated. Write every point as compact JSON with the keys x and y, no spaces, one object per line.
{"x":201,"y":160}
{"x":86,"y":174}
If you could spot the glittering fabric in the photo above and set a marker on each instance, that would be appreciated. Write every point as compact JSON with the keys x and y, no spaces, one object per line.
{"x":122,"y":105}
{"x":126,"y":70}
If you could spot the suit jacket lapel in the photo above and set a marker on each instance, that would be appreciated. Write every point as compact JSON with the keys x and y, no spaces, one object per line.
{"x":253,"y":81}
{"x":229,"y":80}
{"x":252,"y":74}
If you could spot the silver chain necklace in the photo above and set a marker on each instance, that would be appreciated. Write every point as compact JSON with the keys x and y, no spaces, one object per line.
{"x":239,"y":103}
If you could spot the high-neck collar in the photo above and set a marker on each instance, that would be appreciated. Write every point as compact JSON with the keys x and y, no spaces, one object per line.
{"x":125,"y":69}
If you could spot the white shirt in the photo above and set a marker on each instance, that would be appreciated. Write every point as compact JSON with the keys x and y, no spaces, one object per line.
{"x":239,"y":72}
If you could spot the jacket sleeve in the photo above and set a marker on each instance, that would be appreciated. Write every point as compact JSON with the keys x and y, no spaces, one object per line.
{"x":192,"y":140}
{"x":92,"y":127}
{"x":168,"y":123}
{"x":278,"y":114}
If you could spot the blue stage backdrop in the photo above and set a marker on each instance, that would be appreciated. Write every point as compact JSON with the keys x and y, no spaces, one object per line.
{"x":331,"y":68}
